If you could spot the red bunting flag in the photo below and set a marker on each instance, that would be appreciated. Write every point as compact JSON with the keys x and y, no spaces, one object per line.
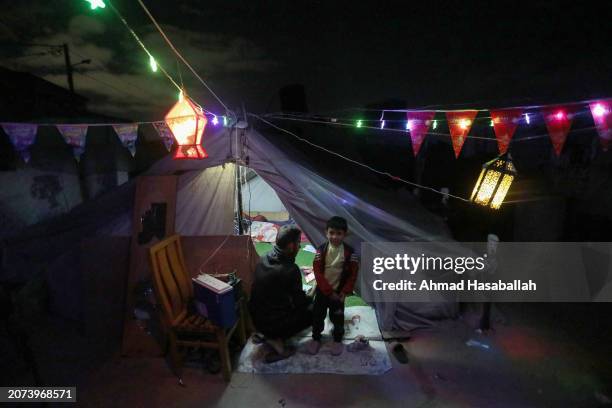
{"x":558,"y":121}
{"x":459,"y":124}
{"x":602,"y":116}
{"x":504,"y":124}
{"x":418,"y":124}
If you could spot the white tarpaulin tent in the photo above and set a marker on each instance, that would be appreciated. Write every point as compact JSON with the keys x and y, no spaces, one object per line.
{"x":205,"y":206}
{"x":258,"y":197}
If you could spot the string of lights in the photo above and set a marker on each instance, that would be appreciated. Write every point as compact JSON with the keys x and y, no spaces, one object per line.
{"x":384,"y":173}
{"x":152,"y":62}
{"x":331,"y":122}
{"x":527,"y":116}
{"x":178,"y":54}
{"x":431,"y":108}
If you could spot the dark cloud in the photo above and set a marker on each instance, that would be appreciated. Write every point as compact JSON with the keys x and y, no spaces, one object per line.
{"x":346,"y":54}
{"x":118,"y":80}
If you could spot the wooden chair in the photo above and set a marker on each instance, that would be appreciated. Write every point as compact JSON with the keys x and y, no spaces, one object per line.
{"x":184,"y":327}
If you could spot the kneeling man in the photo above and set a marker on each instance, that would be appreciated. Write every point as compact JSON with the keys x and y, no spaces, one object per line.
{"x":279,"y":307}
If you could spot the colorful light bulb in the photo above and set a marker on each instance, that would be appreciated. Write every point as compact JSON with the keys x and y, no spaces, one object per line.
{"x":215,"y":121}
{"x":382,"y":124}
{"x":599,"y":110}
{"x":95,"y":4}
{"x":527,"y":118}
{"x":435,"y":124}
{"x":491,"y":123}
{"x":559,"y":115}
{"x":409,"y":125}
{"x":224,"y":121}
{"x":464,"y":123}
{"x":152,"y":63}
{"x":181,"y":95}
{"x":359,"y":123}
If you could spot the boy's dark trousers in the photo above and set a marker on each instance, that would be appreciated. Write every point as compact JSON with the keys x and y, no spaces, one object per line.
{"x":336,"y":314}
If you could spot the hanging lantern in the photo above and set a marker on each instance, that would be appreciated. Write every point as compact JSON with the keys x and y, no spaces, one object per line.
{"x":187,"y":122}
{"x":494,"y":182}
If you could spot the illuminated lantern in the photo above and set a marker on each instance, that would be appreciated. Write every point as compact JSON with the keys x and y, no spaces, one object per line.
{"x":187,"y":122}
{"x":494,"y":182}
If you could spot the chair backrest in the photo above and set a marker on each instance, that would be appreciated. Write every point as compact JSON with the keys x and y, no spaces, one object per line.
{"x":171,"y":281}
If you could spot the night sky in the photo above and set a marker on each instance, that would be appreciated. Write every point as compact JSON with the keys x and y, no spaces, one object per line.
{"x":347,"y":54}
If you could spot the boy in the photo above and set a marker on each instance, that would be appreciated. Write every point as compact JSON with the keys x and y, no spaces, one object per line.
{"x":335,"y":268}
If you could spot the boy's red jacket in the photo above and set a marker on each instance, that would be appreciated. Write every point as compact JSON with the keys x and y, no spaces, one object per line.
{"x":349,"y":270}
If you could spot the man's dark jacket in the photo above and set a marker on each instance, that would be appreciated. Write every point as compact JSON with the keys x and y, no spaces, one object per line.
{"x":276,"y":294}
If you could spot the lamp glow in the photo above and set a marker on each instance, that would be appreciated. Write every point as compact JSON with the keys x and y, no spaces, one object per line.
{"x":181,"y":95}
{"x":435,"y":124}
{"x":382,"y":124}
{"x":224,"y":121}
{"x":527,"y":118}
{"x":491,"y":124}
{"x":494,"y":181}
{"x":560,"y":115}
{"x":95,"y":4}
{"x":359,"y":123}
{"x":187,"y":122}
{"x":599,"y":110}
{"x":464,"y":123}
{"x":152,"y":63}
{"x":215,"y":121}
{"x":409,"y":125}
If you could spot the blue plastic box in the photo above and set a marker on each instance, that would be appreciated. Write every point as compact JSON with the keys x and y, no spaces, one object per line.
{"x":219,"y":308}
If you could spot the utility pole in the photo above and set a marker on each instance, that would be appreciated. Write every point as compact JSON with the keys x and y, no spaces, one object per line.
{"x":68,"y":67}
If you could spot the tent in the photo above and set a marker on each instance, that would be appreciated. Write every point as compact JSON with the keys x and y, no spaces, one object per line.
{"x":258,"y":198}
{"x":205,"y":188}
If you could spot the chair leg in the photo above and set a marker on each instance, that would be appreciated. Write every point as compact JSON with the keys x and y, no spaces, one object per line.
{"x":175,"y":357}
{"x":226,"y":364}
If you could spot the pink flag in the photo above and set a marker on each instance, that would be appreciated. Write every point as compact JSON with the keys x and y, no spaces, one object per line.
{"x":602,"y":116}
{"x":22,"y":136}
{"x":558,"y":121}
{"x":459,"y":124}
{"x":504,"y":124}
{"x":418,"y":124}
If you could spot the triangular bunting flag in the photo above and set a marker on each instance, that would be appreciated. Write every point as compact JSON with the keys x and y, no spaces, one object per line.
{"x":602,"y":116}
{"x":504,"y":124}
{"x":459,"y":125}
{"x":418,"y":124}
{"x":127,"y":134}
{"x":558,"y":121}
{"x":22,"y":136}
{"x":75,"y":136}
{"x":165,"y":133}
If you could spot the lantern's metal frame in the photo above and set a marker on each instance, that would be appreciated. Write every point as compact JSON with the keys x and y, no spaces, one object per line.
{"x":500,"y":171}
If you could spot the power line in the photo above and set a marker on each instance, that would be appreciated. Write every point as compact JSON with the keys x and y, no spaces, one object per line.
{"x":101,"y":66}
{"x":112,"y":86}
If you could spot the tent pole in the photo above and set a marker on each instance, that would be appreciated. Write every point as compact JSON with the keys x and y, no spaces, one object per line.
{"x":239,"y":194}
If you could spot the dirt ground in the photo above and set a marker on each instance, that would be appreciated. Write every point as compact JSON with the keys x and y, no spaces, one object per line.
{"x":538,"y":356}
